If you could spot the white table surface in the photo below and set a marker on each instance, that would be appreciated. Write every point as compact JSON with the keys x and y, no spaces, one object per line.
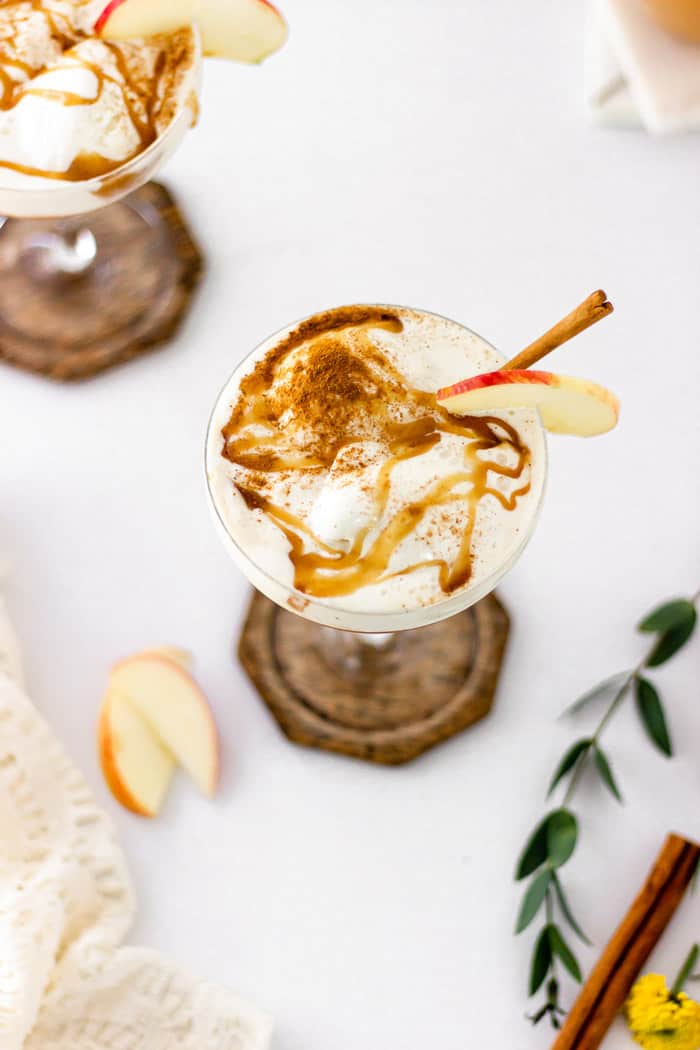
{"x":437,"y":155}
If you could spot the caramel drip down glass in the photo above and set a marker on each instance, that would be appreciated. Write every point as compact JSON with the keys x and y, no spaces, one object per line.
{"x":368,"y":651}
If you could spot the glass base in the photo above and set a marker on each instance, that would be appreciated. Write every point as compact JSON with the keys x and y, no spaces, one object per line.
{"x":80,"y":294}
{"x":385,"y":698}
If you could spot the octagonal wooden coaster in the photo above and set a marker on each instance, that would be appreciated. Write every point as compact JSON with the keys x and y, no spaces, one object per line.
{"x":132,"y":298}
{"x":428,"y":685}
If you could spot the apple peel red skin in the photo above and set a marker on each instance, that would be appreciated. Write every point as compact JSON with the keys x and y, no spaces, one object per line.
{"x":110,"y":766}
{"x":515,"y":375}
{"x":102,"y":18}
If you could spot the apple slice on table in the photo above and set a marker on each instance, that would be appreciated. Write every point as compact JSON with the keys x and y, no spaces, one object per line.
{"x":174,"y":708}
{"x":241,"y":30}
{"x":137,"y":767}
{"x":567,"y":405}
{"x":171,"y":652}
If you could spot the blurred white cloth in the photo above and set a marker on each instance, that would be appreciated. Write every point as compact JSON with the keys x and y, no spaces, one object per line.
{"x":637,"y":74}
{"x":67,"y":982}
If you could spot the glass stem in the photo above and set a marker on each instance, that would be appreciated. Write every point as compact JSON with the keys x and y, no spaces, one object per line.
{"x":65,"y":248}
{"x":355,"y":654}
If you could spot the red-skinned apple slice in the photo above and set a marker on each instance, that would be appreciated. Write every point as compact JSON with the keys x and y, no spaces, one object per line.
{"x":242,"y":30}
{"x":175,"y":709}
{"x":566,"y":404}
{"x":137,"y":767}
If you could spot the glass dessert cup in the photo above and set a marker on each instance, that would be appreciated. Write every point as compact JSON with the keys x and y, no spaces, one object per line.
{"x":382,"y":685}
{"x":88,"y":269}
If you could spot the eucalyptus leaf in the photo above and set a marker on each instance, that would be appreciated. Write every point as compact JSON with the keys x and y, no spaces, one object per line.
{"x":552,"y":991}
{"x":535,"y":852}
{"x":671,"y":641}
{"x":533,"y":899}
{"x":652,"y":715}
{"x":671,"y":614}
{"x":569,"y":760}
{"x":562,"y":832}
{"x":606,"y":690}
{"x":566,"y":909}
{"x":560,"y":948}
{"x":606,"y":774}
{"x":541,"y":961}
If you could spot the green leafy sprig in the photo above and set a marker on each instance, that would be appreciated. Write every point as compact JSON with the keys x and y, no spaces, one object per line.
{"x":554,"y":840}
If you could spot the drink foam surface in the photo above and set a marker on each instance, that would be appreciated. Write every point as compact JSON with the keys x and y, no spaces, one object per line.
{"x":339,"y":479}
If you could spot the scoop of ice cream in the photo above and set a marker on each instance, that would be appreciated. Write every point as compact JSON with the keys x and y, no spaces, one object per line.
{"x":345,"y":506}
{"x":74,"y":106}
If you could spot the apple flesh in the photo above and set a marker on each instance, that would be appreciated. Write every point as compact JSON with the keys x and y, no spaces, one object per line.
{"x":567,"y":405}
{"x":174,"y":708}
{"x":241,"y":30}
{"x":137,"y":767}
{"x":171,"y":652}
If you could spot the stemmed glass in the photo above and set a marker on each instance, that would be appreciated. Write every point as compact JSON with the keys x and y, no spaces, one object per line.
{"x":89,"y":269}
{"x":379,"y":673}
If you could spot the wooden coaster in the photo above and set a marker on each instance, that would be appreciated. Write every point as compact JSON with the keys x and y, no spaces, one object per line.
{"x":430,"y":684}
{"x":130,"y":300}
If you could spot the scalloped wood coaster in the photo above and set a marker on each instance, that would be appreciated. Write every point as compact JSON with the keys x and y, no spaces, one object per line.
{"x":132,"y":299}
{"x":429,"y":685}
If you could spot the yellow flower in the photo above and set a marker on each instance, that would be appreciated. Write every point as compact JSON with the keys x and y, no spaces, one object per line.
{"x":658,"y":1022}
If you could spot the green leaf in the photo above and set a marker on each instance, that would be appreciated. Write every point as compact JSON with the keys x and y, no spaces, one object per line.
{"x":606,"y":773}
{"x":552,"y":991}
{"x":672,"y":614}
{"x":533,"y":899}
{"x":561,"y":948}
{"x":605,"y":690}
{"x":652,"y":715}
{"x":541,"y":961}
{"x":569,"y":760}
{"x":562,"y":832}
{"x":566,"y":909}
{"x":535,"y":852}
{"x":671,"y":641}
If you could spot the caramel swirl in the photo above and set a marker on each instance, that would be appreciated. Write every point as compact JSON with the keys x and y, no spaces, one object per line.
{"x":298,"y":411}
{"x":48,"y":36}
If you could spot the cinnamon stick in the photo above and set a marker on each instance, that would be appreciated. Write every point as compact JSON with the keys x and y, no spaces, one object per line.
{"x":609,"y":983}
{"x":591,"y":310}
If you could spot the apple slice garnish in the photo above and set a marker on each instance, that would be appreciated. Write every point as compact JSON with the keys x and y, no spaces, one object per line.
{"x":174,"y":708}
{"x":242,"y":30}
{"x":566,"y":405}
{"x":137,"y":767}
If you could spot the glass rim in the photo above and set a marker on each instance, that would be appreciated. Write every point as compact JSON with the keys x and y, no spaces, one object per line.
{"x":443,"y":607}
{"x":65,"y":187}
{"x":61,"y":191}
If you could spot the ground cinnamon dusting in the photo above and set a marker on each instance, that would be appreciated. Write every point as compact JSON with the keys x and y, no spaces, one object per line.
{"x":315,"y":410}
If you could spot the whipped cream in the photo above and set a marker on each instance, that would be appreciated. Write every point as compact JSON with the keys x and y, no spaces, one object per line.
{"x":357,"y":505}
{"x":75,"y":107}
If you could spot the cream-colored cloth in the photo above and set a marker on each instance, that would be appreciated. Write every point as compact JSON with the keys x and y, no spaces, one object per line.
{"x":637,"y":74}
{"x":67,"y":981}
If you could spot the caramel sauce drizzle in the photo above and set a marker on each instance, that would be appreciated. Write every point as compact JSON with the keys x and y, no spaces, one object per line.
{"x":140,"y":89}
{"x":343,"y":381}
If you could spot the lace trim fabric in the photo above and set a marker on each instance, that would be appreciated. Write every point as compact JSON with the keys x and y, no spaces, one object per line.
{"x":66,"y":904}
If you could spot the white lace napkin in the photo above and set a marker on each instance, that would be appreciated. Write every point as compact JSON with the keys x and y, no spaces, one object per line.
{"x":637,"y":74}
{"x":67,"y":982}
